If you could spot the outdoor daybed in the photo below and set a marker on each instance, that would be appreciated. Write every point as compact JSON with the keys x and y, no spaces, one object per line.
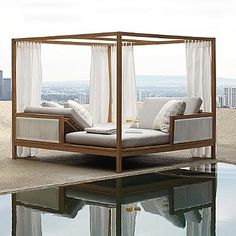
{"x":182,"y":130}
{"x":62,"y":128}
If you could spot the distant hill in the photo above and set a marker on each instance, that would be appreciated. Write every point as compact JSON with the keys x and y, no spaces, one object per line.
{"x":175,"y":81}
{"x":161,"y":81}
{"x":147,"y":81}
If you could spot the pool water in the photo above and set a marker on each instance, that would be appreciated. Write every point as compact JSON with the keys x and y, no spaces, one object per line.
{"x":194,"y":201}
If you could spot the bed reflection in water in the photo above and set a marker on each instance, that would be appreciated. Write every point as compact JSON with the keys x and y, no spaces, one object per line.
{"x":178,"y":202}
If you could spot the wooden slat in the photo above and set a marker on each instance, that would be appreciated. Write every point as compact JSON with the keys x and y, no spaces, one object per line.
{"x":134,"y":41}
{"x":112,"y":151}
{"x":67,"y":147}
{"x":145,"y":43}
{"x":69,"y":126}
{"x":97,"y":36}
{"x":73,"y":43}
{"x":171,"y":130}
{"x":73,"y":125}
{"x":61,"y":130}
{"x":166,"y":147}
{"x":112,"y":42}
{"x":196,"y":115}
{"x":147,"y":35}
{"x":72,"y":36}
{"x":37,"y":115}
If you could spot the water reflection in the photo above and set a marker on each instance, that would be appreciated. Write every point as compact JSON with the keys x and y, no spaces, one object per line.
{"x":178,"y":202}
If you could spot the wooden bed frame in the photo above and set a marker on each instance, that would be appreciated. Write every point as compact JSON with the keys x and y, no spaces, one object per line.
{"x":109,"y":39}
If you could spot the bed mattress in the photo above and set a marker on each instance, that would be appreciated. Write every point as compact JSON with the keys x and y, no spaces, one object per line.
{"x":147,"y":137}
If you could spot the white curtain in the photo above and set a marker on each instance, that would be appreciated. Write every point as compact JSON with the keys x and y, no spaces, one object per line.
{"x":103,"y":221}
{"x":198,"y":64}
{"x":28,"y":81}
{"x":129,"y":97}
{"x":160,"y":206}
{"x":99,"y":84}
{"x":28,"y":222}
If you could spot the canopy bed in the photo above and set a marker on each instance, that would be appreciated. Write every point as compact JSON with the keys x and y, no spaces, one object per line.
{"x":185,"y":198}
{"x":113,"y":100}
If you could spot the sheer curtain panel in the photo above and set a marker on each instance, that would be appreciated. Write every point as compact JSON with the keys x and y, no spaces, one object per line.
{"x":28,"y":222}
{"x":28,"y":81}
{"x":198,"y":63}
{"x":99,"y":84}
{"x":103,"y":220}
{"x":129,"y":97}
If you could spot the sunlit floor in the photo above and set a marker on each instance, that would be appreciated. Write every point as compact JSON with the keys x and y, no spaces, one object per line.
{"x":198,"y":200}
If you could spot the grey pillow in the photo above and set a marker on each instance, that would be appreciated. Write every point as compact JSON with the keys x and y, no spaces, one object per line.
{"x":151,"y":107}
{"x":171,"y":108}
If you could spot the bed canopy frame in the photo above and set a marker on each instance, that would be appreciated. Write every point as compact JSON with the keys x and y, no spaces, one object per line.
{"x":118,"y":39}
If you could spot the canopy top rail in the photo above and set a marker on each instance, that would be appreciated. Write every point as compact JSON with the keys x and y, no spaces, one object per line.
{"x":110,"y":38}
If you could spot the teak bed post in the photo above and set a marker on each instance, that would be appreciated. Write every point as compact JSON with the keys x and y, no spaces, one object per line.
{"x":14,"y":147}
{"x":119,"y":103}
{"x":213,"y":95}
{"x":110,"y":85}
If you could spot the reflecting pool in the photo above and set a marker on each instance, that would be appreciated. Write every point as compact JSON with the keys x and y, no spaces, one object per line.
{"x":194,"y":201}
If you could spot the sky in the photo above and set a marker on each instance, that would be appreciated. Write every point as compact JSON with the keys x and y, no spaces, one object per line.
{"x":25,"y":18}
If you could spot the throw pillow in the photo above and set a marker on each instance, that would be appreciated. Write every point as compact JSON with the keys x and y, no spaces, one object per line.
{"x":171,"y":108}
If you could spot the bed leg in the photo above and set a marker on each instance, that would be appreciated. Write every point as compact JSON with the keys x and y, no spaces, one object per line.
{"x":118,"y":163}
{"x":213,"y":152}
{"x":14,"y":152}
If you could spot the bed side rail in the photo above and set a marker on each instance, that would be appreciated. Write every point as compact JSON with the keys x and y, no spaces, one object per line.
{"x":190,"y":128}
{"x":40,"y":127}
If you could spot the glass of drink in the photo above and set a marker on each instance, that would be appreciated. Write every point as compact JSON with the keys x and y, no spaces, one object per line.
{"x":129,"y":121}
{"x":137,"y":122}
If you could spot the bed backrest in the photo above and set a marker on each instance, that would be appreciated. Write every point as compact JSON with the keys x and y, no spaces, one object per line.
{"x":67,"y":112}
{"x":151,"y":107}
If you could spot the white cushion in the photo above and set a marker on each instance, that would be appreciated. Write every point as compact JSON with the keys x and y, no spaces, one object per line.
{"x":146,"y":138}
{"x":86,"y":117}
{"x":171,"y":108}
{"x":67,"y":112}
{"x":151,"y":107}
{"x":51,"y":104}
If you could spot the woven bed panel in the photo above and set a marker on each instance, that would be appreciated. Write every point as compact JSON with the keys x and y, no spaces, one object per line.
{"x":35,"y":129}
{"x":192,"y":195}
{"x":48,"y":198}
{"x":195,"y":129}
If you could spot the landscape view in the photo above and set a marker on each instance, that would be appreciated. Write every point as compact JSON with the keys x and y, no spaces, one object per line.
{"x":147,"y":86}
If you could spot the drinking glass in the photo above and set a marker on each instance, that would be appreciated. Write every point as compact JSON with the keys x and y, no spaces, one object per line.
{"x":129,"y":121}
{"x":137,"y":122}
